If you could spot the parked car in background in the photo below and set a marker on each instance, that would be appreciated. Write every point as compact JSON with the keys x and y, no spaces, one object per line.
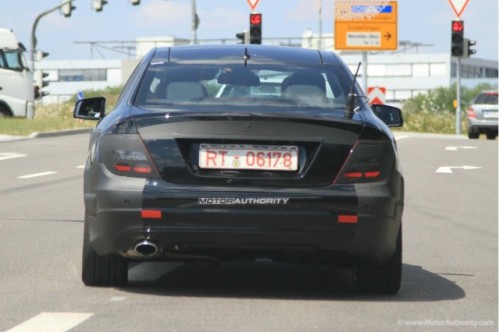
{"x":482,"y":115}
{"x":241,"y":152}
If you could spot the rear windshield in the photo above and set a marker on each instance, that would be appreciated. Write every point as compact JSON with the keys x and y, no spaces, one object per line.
{"x":238,"y":84}
{"x":487,"y":98}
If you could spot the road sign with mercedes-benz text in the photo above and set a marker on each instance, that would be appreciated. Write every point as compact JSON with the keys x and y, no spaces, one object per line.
{"x":364,"y":25}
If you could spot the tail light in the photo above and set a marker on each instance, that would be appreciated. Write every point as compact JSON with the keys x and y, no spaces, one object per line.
{"x":371,"y":159}
{"x":470,"y":113}
{"x":126,"y":155}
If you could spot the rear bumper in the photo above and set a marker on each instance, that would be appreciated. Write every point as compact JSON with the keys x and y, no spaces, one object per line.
{"x":231,"y":222}
{"x":483,"y":125}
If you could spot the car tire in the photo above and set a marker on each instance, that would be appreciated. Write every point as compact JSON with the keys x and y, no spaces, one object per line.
{"x":473,"y":134}
{"x":491,"y":136}
{"x":4,"y":112}
{"x":381,"y":279}
{"x":111,"y":270}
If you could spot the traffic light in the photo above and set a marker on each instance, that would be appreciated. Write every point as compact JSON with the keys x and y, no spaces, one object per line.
{"x":468,"y":51}
{"x":243,"y":36}
{"x":39,"y":75}
{"x":40,"y":83}
{"x":457,"y":38}
{"x":39,"y":78}
{"x":255,"y":28}
{"x":39,"y":55}
{"x":135,"y":2}
{"x":67,"y":7}
{"x":97,"y":5}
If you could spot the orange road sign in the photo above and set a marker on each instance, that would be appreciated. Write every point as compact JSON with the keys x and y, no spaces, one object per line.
{"x":364,"y":25}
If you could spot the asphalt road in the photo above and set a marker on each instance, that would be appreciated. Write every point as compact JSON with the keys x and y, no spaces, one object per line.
{"x":450,"y":273}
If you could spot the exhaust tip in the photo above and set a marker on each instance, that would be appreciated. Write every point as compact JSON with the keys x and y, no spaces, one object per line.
{"x":146,"y":248}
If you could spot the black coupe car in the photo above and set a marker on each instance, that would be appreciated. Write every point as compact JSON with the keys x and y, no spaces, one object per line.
{"x":241,"y":152}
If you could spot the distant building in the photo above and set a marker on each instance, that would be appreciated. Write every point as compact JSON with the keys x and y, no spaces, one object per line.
{"x":404,"y":75}
{"x":407,"y":75}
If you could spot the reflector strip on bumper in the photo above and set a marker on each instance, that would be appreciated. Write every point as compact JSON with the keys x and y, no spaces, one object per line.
{"x":347,"y":219}
{"x":151,"y":214}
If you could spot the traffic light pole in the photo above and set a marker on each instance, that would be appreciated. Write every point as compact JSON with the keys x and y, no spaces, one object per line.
{"x":458,"y":112}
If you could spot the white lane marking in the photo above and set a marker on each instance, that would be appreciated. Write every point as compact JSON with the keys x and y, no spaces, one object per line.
{"x":117,"y":299}
{"x":80,"y":166}
{"x":401,"y":137}
{"x":52,"y":321}
{"x":9,"y":155}
{"x":455,"y":148}
{"x":35,"y":175}
{"x":449,"y":169}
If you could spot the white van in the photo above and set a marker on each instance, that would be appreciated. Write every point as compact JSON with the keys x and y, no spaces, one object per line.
{"x":16,"y":81}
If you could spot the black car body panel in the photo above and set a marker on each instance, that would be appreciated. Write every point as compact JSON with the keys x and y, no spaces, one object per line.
{"x":315,"y":185}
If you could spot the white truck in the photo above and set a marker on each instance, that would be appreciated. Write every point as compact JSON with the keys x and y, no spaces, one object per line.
{"x":16,"y":80}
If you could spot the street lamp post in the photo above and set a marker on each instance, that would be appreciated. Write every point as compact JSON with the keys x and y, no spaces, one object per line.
{"x":30,"y":115}
{"x":320,"y":24}
{"x":194,"y":23}
{"x":33,"y":31}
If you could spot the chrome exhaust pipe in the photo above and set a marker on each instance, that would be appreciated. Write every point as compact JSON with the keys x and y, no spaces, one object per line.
{"x":146,"y":248}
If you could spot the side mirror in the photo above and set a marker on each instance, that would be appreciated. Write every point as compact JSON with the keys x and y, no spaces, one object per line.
{"x":392,"y":116}
{"x":90,"y":108}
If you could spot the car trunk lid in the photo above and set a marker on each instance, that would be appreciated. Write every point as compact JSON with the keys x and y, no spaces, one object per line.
{"x":217,"y":149}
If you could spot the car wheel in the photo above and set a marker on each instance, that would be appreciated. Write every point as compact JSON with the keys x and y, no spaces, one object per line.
{"x":384,"y":279}
{"x":473,"y":134}
{"x":491,"y":135}
{"x":4,"y":112}
{"x":111,"y":270}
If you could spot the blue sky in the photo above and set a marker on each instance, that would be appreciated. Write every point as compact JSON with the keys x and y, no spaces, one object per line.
{"x":423,"y":21}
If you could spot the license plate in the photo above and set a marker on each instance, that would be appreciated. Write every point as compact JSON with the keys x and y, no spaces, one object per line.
{"x":490,"y":114}
{"x":253,"y":157}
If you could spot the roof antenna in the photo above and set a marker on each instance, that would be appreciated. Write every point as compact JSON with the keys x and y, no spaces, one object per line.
{"x":351,"y":97}
{"x":246,"y":56}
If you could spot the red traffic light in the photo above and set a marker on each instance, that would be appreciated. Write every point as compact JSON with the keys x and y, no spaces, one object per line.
{"x":457,"y":26}
{"x":255,"y":19}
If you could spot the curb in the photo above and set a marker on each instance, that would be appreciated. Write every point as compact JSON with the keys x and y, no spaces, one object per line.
{"x":60,"y":133}
{"x":8,"y":138}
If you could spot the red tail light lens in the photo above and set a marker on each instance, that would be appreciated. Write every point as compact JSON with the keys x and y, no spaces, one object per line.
{"x":470,"y":113}
{"x":126,"y":155}
{"x":142,"y":169}
{"x":372,"y":157}
{"x":372,"y":174}
{"x":120,"y":167}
